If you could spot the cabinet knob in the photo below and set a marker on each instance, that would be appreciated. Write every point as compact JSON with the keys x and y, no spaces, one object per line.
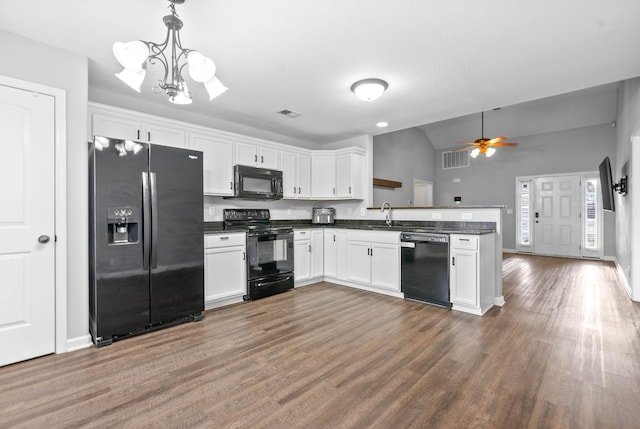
{"x":299,"y":190}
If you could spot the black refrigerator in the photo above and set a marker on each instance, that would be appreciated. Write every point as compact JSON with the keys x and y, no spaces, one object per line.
{"x":146,"y":238}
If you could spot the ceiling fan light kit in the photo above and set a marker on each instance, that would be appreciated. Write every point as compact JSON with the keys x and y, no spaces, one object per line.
{"x":369,"y":89}
{"x":136,"y":55}
{"x":484,"y":146}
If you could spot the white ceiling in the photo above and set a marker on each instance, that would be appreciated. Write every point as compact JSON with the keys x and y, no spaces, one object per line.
{"x":442,"y":58}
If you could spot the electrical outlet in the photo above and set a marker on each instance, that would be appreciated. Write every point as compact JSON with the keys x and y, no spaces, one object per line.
{"x":288,"y":212}
{"x":510,"y":211}
{"x":348,"y":211}
{"x":436,"y":215}
{"x":212,"y":210}
{"x":467,"y":216}
{"x":363,"y":211}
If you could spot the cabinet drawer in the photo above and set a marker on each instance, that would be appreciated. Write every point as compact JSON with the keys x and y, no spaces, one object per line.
{"x":301,"y":234}
{"x":224,"y":240}
{"x":468,"y":242}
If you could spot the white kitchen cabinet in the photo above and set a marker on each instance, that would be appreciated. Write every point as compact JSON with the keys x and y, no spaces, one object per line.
{"x":308,"y":246}
{"x":335,"y":253}
{"x":256,"y":155}
{"x":350,"y":181}
{"x":131,"y":128}
{"x":323,"y":174}
{"x":217,"y":163}
{"x":373,"y":258}
{"x":296,"y":174}
{"x":225,"y":269}
{"x":471,"y":278}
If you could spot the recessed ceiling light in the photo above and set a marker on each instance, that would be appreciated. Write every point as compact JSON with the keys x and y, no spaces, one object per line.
{"x":382,"y":124}
{"x":369,"y":89}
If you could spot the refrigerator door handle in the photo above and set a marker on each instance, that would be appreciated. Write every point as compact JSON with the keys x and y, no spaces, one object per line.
{"x":146,"y":219}
{"x":154,"y":220}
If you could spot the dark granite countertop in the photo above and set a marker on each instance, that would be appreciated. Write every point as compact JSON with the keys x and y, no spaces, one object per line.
{"x":445,"y":227}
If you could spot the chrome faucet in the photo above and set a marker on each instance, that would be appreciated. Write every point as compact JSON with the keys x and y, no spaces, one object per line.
{"x":388,"y":215}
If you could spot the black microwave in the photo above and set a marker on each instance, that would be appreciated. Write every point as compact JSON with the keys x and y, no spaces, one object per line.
{"x":252,"y":183}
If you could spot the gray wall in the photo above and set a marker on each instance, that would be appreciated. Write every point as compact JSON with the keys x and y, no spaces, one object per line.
{"x":402,"y":156}
{"x":628,"y":126}
{"x":492,"y":180}
{"x":39,"y":63}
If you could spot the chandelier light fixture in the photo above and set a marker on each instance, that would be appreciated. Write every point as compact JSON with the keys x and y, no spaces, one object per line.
{"x":369,"y":89}
{"x":134,"y":57}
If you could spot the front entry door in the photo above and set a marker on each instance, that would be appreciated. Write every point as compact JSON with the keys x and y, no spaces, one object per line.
{"x":557,"y":216}
{"x":27,"y":299}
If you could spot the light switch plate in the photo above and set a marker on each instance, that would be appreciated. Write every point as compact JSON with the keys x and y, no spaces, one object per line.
{"x":509,"y":211}
{"x":456,"y":180}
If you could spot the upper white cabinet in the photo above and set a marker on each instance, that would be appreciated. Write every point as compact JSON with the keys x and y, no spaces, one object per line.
{"x":323,"y":174}
{"x":350,"y":180}
{"x":217,"y":163}
{"x":256,"y":155}
{"x":128,"y":128}
{"x":307,"y":174}
{"x":471,"y":280}
{"x":296,"y":174}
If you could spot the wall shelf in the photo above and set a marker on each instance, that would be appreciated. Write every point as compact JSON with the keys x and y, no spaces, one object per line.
{"x":384,"y":183}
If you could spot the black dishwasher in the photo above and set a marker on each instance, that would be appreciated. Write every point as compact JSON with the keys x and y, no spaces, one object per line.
{"x":425,"y":267}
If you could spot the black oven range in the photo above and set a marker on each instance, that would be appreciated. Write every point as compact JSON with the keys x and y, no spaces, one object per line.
{"x":269,"y":252}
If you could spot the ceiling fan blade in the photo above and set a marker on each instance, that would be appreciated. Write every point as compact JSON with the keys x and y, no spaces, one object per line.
{"x":469,"y":143}
{"x":463,"y":148}
{"x":505,"y":144}
{"x":497,"y":140}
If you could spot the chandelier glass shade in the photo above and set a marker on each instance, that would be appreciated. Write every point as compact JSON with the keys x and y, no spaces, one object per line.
{"x":136,"y":55}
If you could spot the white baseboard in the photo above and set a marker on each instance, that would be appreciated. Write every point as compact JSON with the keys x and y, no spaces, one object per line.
{"x":79,"y":343}
{"x":221,"y":302}
{"x":609,"y":258}
{"x":498,"y":300}
{"x":625,"y":282}
{"x":509,"y":251}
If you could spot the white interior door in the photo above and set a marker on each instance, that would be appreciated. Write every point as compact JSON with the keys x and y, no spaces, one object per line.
{"x":557,"y":216}
{"x":27,"y":282}
{"x":422,"y":193}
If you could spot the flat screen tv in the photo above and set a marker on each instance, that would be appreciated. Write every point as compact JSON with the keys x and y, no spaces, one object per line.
{"x":606,"y":183}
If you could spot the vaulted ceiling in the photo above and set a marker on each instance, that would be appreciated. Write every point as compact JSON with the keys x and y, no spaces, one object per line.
{"x":442,"y":59}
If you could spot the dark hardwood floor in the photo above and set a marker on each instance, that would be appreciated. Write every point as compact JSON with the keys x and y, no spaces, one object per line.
{"x":563,"y":352}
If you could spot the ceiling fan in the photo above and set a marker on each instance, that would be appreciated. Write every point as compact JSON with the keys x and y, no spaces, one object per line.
{"x":485,"y":146}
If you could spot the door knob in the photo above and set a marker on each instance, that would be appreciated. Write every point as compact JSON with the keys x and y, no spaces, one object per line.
{"x":43,"y":239}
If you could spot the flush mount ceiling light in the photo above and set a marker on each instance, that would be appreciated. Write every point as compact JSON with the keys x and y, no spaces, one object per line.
{"x":134,"y":57}
{"x":369,"y":89}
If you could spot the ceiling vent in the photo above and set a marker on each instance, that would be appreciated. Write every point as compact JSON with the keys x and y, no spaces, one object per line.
{"x":455,"y":159}
{"x":289,"y":113}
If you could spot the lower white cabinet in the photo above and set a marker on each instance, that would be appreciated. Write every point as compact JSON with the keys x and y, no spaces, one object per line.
{"x":472,"y":269}
{"x":373,"y":258}
{"x":225,"y":269}
{"x":308,"y":254}
{"x":335,"y":254}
